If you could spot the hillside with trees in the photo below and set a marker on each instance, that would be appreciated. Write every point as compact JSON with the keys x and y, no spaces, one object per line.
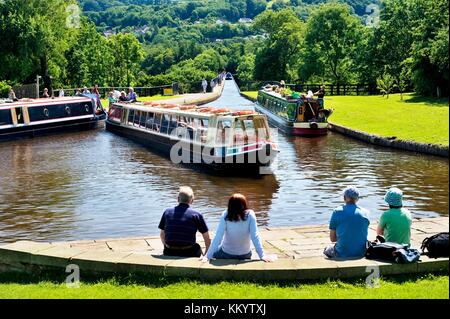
{"x":403,"y":43}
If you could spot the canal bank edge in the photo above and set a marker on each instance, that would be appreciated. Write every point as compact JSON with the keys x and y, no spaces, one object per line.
{"x":196,"y":98}
{"x":429,"y":149}
{"x":300,"y":252}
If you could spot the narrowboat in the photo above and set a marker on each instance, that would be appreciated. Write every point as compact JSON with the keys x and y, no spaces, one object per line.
{"x":294,"y":114}
{"x":33,"y":117}
{"x":200,"y":137}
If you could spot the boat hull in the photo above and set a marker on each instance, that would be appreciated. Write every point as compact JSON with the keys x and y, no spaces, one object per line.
{"x":30,"y":131}
{"x":196,"y":157}
{"x":290,"y":128}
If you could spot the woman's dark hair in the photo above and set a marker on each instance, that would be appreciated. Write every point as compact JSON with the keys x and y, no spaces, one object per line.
{"x":237,"y":208}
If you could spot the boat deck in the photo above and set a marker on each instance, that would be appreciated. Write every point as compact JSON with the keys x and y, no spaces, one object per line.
{"x":49,"y":101}
{"x":299,"y":250}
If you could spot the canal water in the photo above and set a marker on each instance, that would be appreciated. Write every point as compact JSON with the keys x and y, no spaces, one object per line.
{"x":94,"y":184}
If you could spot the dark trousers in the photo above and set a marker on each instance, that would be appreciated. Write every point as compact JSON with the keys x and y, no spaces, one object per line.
{"x":194,"y":251}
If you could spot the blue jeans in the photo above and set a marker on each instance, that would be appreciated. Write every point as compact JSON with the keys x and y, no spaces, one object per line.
{"x":220,"y":254}
{"x":321,"y":102}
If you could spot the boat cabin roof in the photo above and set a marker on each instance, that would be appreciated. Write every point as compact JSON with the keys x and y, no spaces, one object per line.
{"x":45,"y":102}
{"x":190,"y":111}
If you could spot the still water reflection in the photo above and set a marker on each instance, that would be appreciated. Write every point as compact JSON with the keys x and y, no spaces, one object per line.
{"x":94,"y":184}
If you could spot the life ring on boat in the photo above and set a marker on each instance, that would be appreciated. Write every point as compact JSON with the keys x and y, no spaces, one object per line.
{"x":149,"y":103}
{"x":246,"y":112}
{"x":187,"y":107}
{"x":314,"y":125}
{"x":219,"y":111}
{"x":169,"y":106}
{"x":206,"y":109}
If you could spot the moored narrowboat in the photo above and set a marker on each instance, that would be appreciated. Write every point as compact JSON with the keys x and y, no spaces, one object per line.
{"x":206,"y":137}
{"x":294,"y":114}
{"x":28,"y":117}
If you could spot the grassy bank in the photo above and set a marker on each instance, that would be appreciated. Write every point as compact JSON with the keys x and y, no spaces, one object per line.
{"x":430,"y":286}
{"x":251,"y":94}
{"x":418,"y":119}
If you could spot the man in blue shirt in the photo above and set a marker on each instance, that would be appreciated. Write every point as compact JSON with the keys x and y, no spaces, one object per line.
{"x":349,"y":227}
{"x":179,"y":227}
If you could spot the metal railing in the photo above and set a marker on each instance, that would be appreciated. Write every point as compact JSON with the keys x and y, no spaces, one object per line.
{"x":331,"y":89}
{"x":140,"y":91}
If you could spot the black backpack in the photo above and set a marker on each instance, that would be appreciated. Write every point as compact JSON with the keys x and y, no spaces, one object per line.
{"x":391,"y":252}
{"x":436,"y":246}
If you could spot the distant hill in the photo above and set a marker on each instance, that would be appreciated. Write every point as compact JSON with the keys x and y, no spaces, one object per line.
{"x":101,"y":5}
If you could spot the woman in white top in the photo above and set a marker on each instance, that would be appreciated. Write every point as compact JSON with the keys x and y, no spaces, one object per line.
{"x":237,"y":229}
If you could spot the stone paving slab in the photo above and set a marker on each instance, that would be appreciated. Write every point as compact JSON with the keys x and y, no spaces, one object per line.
{"x":299,"y":251}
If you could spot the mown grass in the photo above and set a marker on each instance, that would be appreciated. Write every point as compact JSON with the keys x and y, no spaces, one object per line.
{"x":419,"y":287}
{"x":414,"y":118}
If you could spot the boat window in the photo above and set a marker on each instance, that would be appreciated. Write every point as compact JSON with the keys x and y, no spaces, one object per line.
{"x":130,"y":116}
{"x":157,"y":122}
{"x":239,"y":133}
{"x":205,"y":123}
{"x":191,"y":128}
{"x":202,"y":130}
{"x":143,"y":119}
{"x":261,"y":129}
{"x":165,"y":123}
{"x":5,"y":117}
{"x":137,"y":117}
{"x":250,"y":130}
{"x":150,"y":121}
{"x":223,"y":129}
{"x":172,"y":123}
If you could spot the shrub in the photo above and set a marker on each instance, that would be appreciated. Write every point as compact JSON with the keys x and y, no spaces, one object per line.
{"x":4,"y":89}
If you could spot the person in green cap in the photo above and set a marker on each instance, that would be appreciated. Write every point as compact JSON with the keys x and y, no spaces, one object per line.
{"x":395,"y":224}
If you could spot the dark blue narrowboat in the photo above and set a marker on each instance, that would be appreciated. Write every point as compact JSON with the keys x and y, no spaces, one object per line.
{"x":29,"y":118}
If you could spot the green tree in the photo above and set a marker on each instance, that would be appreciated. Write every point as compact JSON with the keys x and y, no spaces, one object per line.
{"x":246,"y":67}
{"x":430,"y":67}
{"x":386,"y":83}
{"x":280,"y":50}
{"x":128,"y":55}
{"x":333,"y":36}
{"x":89,"y":59}
{"x":35,"y":34}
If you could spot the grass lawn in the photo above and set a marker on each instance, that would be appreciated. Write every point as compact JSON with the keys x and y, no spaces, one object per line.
{"x":425,"y":287}
{"x":415,"y":118}
{"x":105,"y":102}
{"x":251,"y":94}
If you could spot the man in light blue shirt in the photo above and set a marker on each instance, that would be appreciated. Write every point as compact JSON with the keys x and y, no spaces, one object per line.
{"x":349,"y":227}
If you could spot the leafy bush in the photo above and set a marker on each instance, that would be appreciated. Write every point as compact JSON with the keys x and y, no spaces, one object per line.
{"x":4,"y":89}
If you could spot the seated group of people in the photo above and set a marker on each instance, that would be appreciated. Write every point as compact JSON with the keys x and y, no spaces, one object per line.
{"x":117,"y":96}
{"x":349,"y":224}
{"x":238,"y":228}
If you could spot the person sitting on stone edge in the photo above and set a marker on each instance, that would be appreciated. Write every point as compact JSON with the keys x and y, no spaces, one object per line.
{"x":395,"y":224}
{"x":179,"y":226}
{"x":349,"y":227}
{"x":238,"y":227}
